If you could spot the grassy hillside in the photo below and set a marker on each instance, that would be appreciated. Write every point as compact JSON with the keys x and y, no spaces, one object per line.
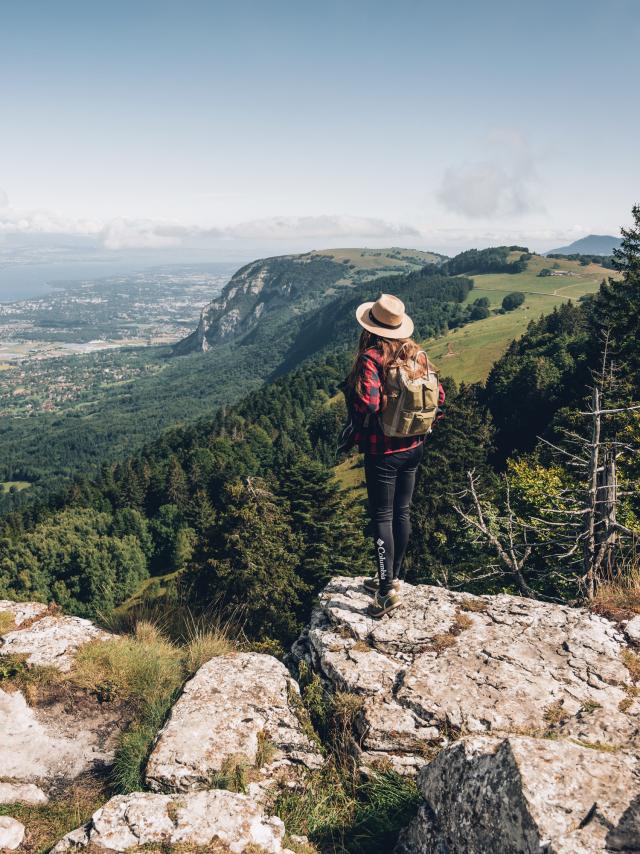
{"x":469,"y":352}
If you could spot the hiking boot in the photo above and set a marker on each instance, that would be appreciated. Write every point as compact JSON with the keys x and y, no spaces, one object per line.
{"x":382,"y":605}
{"x":371,"y":584}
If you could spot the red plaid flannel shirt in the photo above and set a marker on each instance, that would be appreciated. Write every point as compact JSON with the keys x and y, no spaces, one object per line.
{"x":371,"y":439}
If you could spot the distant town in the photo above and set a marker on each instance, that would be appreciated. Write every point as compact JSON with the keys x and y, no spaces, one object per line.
{"x":58,"y":349}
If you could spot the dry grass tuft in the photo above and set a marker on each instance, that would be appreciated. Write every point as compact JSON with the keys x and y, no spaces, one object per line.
{"x":266,"y":750}
{"x":7,"y":622}
{"x":555,"y":713}
{"x":442,"y":641}
{"x":632,"y":662}
{"x":619,"y":598}
{"x":625,"y":704}
{"x":204,"y":645}
{"x":139,"y":669}
{"x":476,"y":606}
{"x":461,"y":622}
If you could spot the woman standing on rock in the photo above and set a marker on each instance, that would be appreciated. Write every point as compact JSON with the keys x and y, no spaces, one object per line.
{"x":393,"y":396}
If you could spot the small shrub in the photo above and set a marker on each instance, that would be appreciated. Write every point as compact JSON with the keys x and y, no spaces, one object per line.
{"x":590,"y":706}
{"x":270,"y":646}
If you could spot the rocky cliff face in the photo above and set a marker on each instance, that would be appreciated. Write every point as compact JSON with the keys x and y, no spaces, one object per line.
{"x":288,"y":284}
{"x":257,"y":290}
{"x":520,"y":719}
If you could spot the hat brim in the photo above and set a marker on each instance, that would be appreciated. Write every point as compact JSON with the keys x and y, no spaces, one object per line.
{"x":405,"y":330}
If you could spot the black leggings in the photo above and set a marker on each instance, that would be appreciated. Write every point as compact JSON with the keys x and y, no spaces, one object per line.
{"x":390,"y":482}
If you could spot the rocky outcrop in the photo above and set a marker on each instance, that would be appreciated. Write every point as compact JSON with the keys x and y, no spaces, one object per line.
{"x":11,"y":833}
{"x":448,"y":664}
{"x":49,"y":640}
{"x":238,"y":708}
{"x":44,"y":746}
{"x":24,"y":793}
{"x":22,"y":612}
{"x":526,"y":795}
{"x":53,"y":744}
{"x":225,"y":821}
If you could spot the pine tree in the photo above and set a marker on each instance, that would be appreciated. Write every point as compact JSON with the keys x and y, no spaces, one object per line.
{"x":615,"y":312}
{"x":329,"y":523}
{"x":460,"y":442}
{"x":249,"y":563}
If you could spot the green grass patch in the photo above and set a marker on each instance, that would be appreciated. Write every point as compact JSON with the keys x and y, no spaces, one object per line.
{"x":340,"y":813}
{"x":127,"y":772}
{"x":14,"y":485}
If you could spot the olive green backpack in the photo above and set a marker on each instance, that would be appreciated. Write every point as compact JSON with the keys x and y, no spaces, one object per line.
{"x":412,"y":404}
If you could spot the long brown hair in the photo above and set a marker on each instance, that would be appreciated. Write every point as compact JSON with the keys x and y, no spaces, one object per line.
{"x":393,"y":352}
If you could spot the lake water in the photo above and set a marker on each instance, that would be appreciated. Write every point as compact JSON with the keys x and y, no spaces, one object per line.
{"x":24,"y":281}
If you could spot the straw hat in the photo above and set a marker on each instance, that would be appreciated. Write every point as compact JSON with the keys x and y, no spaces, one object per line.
{"x":385,"y":317}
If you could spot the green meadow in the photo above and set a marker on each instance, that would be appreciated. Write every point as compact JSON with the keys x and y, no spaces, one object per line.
{"x":467,"y":354}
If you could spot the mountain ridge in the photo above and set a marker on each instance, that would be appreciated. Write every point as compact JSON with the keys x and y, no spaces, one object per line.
{"x":592,"y":244}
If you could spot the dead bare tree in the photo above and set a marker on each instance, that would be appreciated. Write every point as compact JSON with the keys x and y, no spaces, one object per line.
{"x":505,"y":534}
{"x":588,"y":527}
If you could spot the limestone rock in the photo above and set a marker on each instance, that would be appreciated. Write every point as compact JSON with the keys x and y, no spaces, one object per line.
{"x":11,"y":833}
{"x":21,"y":793}
{"x":50,"y":745}
{"x":218,"y":818}
{"x":450,"y":663}
{"x":631,"y":630}
{"x":22,"y":612}
{"x":51,"y":640}
{"x":526,"y":795}
{"x":236,"y":707}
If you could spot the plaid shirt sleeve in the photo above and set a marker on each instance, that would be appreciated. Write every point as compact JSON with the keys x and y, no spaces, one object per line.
{"x":367,"y":401}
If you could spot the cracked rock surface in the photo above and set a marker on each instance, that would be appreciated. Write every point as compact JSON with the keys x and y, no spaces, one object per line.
{"x":238,"y":707}
{"x":526,"y":795}
{"x":46,"y":745}
{"x":449,"y":664}
{"x":224,"y":820}
{"x":50,"y":641}
{"x":50,"y":746}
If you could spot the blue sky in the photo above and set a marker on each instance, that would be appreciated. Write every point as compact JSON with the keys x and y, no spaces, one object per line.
{"x":289,"y":124}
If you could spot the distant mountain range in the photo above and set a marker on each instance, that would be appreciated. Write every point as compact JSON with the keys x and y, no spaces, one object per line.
{"x":592,"y":244}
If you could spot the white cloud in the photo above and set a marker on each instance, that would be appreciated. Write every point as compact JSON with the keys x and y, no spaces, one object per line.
{"x":319,"y":227}
{"x":500,"y":184}
{"x":127,"y":233}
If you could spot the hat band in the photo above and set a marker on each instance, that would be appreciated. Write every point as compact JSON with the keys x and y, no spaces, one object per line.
{"x":375,"y":320}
